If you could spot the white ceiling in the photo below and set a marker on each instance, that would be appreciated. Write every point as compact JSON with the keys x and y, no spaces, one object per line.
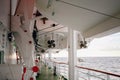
{"x":67,"y":15}
{"x":4,"y":12}
{"x":77,"y":18}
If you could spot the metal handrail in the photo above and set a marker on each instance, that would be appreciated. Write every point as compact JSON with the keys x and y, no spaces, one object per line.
{"x":60,"y":62}
{"x":90,"y":69}
{"x":108,"y":73}
{"x":62,"y":68}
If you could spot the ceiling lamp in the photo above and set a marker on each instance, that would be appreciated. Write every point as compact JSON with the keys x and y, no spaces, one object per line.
{"x":51,"y":43}
{"x":83,"y":44}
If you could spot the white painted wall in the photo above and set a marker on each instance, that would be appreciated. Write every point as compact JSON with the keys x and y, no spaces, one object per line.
{"x":10,"y":72}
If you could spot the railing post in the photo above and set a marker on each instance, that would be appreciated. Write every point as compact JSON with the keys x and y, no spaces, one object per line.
{"x":77,"y":74}
{"x":54,"y":70}
{"x":108,"y":77}
{"x":59,"y":69}
{"x":72,"y":47}
{"x":49,"y":60}
{"x":88,"y":75}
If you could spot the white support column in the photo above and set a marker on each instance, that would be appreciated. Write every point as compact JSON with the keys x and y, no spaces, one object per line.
{"x":72,"y":56}
{"x":49,"y":56}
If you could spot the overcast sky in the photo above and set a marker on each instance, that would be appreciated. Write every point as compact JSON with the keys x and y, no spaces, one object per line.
{"x":108,"y":46}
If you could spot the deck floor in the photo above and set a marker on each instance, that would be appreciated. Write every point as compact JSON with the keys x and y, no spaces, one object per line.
{"x":46,"y":74}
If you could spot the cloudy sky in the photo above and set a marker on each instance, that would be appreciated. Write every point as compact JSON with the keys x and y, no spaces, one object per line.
{"x":108,"y":46}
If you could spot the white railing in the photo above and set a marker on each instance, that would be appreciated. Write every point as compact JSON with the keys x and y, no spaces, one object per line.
{"x":82,"y":73}
{"x":60,"y":68}
{"x":93,"y":74}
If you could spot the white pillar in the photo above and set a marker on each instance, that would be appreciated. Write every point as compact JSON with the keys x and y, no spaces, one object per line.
{"x":72,"y":56}
{"x":49,"y":56}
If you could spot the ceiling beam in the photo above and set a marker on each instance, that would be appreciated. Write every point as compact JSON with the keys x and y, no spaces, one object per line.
{"x":102,"y":27}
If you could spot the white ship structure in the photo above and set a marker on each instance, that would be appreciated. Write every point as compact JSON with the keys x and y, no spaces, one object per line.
{"x":59,"y":39}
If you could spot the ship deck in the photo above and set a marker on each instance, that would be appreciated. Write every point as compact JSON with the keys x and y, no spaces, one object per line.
{"x":46,"y":74}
